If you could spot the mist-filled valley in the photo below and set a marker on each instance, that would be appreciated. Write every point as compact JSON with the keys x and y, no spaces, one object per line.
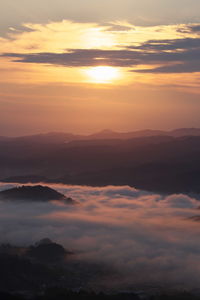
{"x":124,"y":238}
{"x":112,"y":213}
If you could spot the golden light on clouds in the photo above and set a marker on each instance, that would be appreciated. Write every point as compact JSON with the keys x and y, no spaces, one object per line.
{"x":103,"y":74}
{"x":91,"y":42}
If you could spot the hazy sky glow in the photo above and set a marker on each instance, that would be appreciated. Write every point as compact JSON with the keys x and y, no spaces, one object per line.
{"x":84,"y":66}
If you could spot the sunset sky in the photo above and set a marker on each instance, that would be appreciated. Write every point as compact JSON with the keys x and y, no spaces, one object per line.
{"x":83,"y":66}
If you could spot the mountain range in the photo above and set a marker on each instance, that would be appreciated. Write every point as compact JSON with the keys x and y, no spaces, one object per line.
{"x":58,"y":137}
{"x":159,"y":161}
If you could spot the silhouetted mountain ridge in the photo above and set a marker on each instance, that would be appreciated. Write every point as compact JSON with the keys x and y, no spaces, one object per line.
{"x":59,"y":137}
{"x":161,"y":163}
{"x":34,"y":193}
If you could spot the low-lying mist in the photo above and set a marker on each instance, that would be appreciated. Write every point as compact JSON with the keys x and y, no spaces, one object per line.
{"x":148,"y":238}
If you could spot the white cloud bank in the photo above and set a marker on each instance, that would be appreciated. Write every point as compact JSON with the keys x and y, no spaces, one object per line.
{"x":148,"y":237}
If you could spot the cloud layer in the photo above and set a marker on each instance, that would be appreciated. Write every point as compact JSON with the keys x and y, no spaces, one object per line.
{"x":159,"y":56}
{"x":148,"y":237}
{"x":142,"y":13}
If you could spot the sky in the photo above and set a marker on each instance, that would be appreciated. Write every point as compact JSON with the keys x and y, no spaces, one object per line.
{"x":83,"y":66}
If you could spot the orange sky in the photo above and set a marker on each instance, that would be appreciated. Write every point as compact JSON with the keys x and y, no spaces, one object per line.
{"x":70,"y":75}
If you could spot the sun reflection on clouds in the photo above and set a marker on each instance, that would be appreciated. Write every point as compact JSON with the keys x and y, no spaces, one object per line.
{"x":57,"y":38}
{"x":97,"y":37}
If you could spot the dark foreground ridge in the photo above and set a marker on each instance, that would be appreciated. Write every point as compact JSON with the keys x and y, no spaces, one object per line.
{"x":31,"y":272}
{"x":47,"y":271}
{"x":65,"y":294}
{"x":33,"y":193}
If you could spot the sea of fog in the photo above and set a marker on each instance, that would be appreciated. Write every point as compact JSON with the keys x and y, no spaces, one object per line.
{"x":149,"y":238}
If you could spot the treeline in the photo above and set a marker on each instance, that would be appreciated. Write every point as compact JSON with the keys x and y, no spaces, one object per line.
{"x":64,"y":294}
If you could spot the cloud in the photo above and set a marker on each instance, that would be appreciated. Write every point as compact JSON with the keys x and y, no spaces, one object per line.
{"x":80,"y":58}
{"x":171,"y":49}
{"x":142,"y":13}
{"x":193,"y":67}
{"x":119,"y":26}
{"x":177,"y":56}
{"x":147,"y":237}
{"x":194,"y":28}
{"x":160,"y":56}
{"x":180,"y":201}
{"x":170,"y":44}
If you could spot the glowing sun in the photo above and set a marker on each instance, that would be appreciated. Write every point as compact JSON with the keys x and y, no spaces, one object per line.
{"x":102,"y":74}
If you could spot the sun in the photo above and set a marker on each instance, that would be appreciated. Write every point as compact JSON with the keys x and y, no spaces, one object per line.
{"x":102,"y":74}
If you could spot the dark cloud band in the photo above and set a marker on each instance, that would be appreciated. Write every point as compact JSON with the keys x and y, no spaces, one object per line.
{"x":163,"y":56}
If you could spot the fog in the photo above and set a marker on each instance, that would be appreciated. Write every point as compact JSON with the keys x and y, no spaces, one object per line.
{"x":149,"y":238}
